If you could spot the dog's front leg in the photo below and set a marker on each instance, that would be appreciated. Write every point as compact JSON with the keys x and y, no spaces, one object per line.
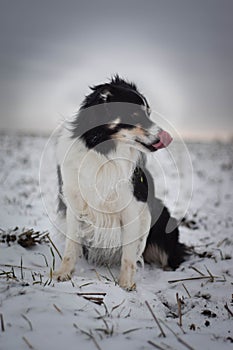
{"x":136,"y":227}
{"x":73,"y":248}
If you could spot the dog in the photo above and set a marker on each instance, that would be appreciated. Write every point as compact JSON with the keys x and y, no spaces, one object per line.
{"x":106,"y":191}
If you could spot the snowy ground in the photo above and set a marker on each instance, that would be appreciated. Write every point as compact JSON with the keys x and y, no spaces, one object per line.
{"x":38,"y":313}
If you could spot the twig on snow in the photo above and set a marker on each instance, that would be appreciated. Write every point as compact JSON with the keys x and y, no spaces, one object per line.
{"x":58,"y":309}
{"x":16,"y":266}
{"x":97,"y":274}
{"x":198,"y":271}
{"x":155,"y":318}
{"x":112,"y":275}
{"x":185,"y":288}
{"x":211,"y":276}
{"x":50,"y":240}
{"x":131,"y":330}
{"x":28,"y":321}
{"x":92,"y":293}
{"x":179,"y":302}
{"x":180,"y":340}
{"x":90,"y":335}
{"x":97,"y":298}
{"x":228,"y":309}
{"x":21,"y":268}
{"x":2,"y":323}
{"x":28,"y":344}
{"x":155,"y":345}
{"x":193,"y":279}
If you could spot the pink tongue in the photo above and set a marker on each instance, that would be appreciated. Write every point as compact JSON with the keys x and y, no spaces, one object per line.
{"x":164,"y":140}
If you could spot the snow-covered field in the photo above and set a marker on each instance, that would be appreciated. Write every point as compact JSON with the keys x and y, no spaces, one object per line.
{"x":91,"y":311}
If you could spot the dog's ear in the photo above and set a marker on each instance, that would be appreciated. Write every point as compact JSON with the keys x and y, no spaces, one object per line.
{"x":101,"y":93}
{"x":106,"y":95}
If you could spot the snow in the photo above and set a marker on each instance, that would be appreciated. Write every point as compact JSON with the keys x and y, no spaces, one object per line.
{"x":195,"y":180}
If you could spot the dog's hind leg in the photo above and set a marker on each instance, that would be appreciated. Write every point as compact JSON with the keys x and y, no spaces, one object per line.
{"x":163,"y":244}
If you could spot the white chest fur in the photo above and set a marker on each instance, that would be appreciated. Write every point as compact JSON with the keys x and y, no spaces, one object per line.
{"x":98,"y":190}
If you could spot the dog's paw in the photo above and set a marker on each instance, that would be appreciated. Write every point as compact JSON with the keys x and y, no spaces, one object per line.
{"x":126,"y":279}
{"x":131,"y":288}
{"x":61,"y":276}
{"x":126,"y":285}
{"x":128,"y":288}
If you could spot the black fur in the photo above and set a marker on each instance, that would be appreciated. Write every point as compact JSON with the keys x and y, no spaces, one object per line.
{"x":93,"y":129}
{"x":164,"y":230}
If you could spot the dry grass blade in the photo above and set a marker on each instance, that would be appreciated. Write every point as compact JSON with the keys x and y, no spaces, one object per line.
{"x":106,"y":278}
{"x":155,"y":345}
{"x":155,"y":318}
{"x":100,"y":316}
{"x":228,"y":309}
{"x":53,"y":256}
{"x":97,"y":298}
{"x":179,"y":303}
{"x":90,"y":335}
{"x":21,"y":268}
{"x":9,"y":274}
{"x":97,"y":274}
{"x":45,"y":259}
{"x":180,"y":340}
{"x":91,"y":293}
{"x":107,"y":330}
{"x":116,"y":306}
{"x":16,"y":266}
{"x":29,"y":238}
{"x":2,"y":323}
{"x":193,"y":279}
{"x":72,"y":283}
{"x":131,"y":330}
{"x":50,"y":276}
{"x":28,"y":321}
{"x":198,"y":271}
{"x":113,"y":277}
{"x":57,"y":308}
{"x":222,"y":241}
{"x":211,"y":276}
{"x":85,"y":284}
{"x":50,"y":240}
{"x":185,"y":288}
{"x":94,"y":341}
{"x":28,"y":344}
{"x":33,"y":276}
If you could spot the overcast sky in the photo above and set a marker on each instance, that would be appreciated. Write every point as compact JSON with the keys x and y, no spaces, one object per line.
{"x":179,"y":52}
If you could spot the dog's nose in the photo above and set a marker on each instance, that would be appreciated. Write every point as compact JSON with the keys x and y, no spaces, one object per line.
{"x":164,"y":140}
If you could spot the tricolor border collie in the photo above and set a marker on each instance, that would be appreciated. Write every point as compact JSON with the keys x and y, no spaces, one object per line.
{"x":105,"y":190}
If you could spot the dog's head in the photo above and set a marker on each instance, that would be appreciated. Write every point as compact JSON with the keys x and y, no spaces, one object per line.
{"x":117,"y":112}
